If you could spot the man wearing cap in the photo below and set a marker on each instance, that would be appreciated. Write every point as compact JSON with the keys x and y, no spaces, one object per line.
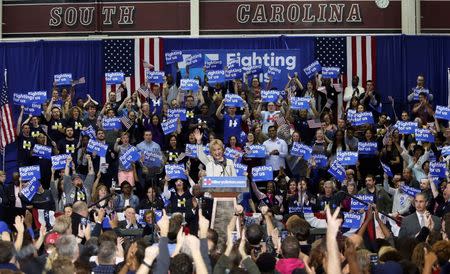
{"x":74,"y":187}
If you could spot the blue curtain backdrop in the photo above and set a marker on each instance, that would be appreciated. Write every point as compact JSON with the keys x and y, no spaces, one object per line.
{"x":31,"y":66}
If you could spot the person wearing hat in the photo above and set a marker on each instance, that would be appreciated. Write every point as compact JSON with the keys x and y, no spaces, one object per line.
{"x":74,"y":187}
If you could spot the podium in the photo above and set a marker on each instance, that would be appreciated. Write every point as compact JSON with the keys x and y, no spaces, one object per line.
{"x":224,"y":191}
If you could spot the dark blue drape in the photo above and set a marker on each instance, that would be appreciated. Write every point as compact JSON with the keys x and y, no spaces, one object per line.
{"x":31,"y":66}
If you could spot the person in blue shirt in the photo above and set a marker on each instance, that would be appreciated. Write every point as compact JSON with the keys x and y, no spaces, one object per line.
{"x":232,"y":122}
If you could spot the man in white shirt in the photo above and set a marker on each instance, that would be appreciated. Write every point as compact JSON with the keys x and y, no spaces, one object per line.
{"x":355,"y":90}
{"x":413,"y":223}
{"x":276,"y":151}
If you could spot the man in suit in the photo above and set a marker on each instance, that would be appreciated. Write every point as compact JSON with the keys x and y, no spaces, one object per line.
{"x":192,"y":206}
{"x":413,"y":223}
{"x":130,"y":221}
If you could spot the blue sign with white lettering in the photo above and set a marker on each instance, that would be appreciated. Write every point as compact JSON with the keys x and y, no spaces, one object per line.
{"x":233,"y":73}
{"x":39,"y":96}
{"x":331,"y":72}
{"x":355,"y":205}
{"x":241,"y":169}
{"x":424,"y":135}
{"x":31,"y":189}
{"x":155,"y":76}
{"x":112,"y":123}
{"x":195,"y":60}
{"x":301,"y":150}
{"x":352,"y":220}
{"x":114,"y":78}
{"x":28,"y":172}
{"x":233,"y":100}
{"x":63,"y":79}
{"x":174,"y":56}
{"x":362,"y":118}
{"x":175,"y":113}
{"x":298,"y":103}
{"x":312,"y":69}
{"x":406,"y":127}
{"x":189,"y":84}
{"x":152,"y":159}
{"x":89,"y":131}
{"x":26,"y":100}
{"x":337,"y":171}
{"x":387,"y":169}
{"x":270,"y":96}
{"x":445,"y":151}
{"x":262,"y":173}
{"x":367,"y":148}
{"x":214,"y":65}
{"x":321,"y":160}
{"x":59,"y":161}
{"x":347,"y":158}
{"x":226,"y":182}
{"x":176,"y":171}
{"x":169,"y":126}
{"x":252,"y":70}
{"x":97,"y":147}
{"x":191,"y":150}
{"x":411,"y":191}
{"x":42,"y":151}
{"x":256,"y":151}
{"x":442,"y":113}
{"x":215,"y":76}
{"x":232,"y":154}
{"x":130,"y":156}
{"x":417,"y":91}
{"x":274,"y":72}
{"x":34,"y":109}
{"x":438,"y":169}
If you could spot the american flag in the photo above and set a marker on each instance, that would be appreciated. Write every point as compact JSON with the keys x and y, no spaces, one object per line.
{"x":143,"y":90}
{"x":355,"y":55}
{"x":7,"y":130}
{"x":132,"y":57}
{"x":126,"y":122}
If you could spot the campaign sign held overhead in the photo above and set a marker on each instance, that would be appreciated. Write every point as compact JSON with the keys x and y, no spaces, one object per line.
{"x":347,"y":158}
{"x":89,"y":131}
{"x":42,"y":151}
{"x":312,"y":69}
{"x":155,"y":76}
{"x":273,"y":72}
{"x":215,"y":76}
{"x":367,"y":148}
{"x":175,"y":113}
{"x":301,"y":150}
{"x":31,"y":189}
{"x":112,"y":123}
{"x":233,"y":73}
{"x":214,"y":65}
{"x":268,"y":96}
{"x":300,"y":103}
{"x":225,"y":182}
{"x":39,"y":96}
{"x":331,"y":72}
{"x":63,"y":79}
{"x":262,"y":173}
{"x":362,"y":118}
{"x":337,"y":171}
{"x":411,"y":191}
{"x":189,"y":84}
{"x":29,"y":172}
{"x":233,"y":154}
{"x":233,"y":100}
{"x":442,"y":113}
{"x":176,"y":171}
{"x":355,"y":205}
{"x":387,"y":170}
{"x":445,"y":151}
{"x":438,"y":169}
{"x":352,"y":220}
{"x":256,"y":151}
{"x":169,"y":126}
{"x":130,"y":156}
{"x":114,"y":78}
{"x":406,"y":127}
{"x":195,"y":60}
{"x":321,"y":160}
{"x":97,"y":147}
{"x":424,"y":135}
{"x":59,"y":161}
{"x":174,"y":56}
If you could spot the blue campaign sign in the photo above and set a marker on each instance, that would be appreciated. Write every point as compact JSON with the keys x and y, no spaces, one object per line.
{"x":312,"y":69}
{"x":176,"y":171}
{"x":321,"y":160}
{"x":191,"y":150}
{"x":42,"y":151}
{"x":347,"y":158}
{"x":233,"y":73}
{"x":262,"y":173}
{"x":243,"y":137}
{"x":215,"y":76}
{"x":130,"y":156}
{"x":387,"y":170}
{"x":39,"y":96}
{"x":22,"y":99}
{"x":31,"y":189}
{"x":445,"y":151}
{"x":424,"y":135}
{"x":232,"y":154}
{"x":175,"y":113}
{"x":214,"y":65}
{"x":362,"y":118}
{"x":256,"y":151}
{"x":34,"y":109}
{"x":438,"y":169}
{"x":355,"y":205}
{"x":189,"y":84}
{"x":352,"y":220}
{"x":169,"y":126}
{"x":417,"y":91}
{"x":289,"y":61}
{"x":337,"y":171}
{"x":442,"y":113}
{"x":89,"y":131}
{"x":301,"y":150}
{"x":152,"y":159}
{"x":273,"y":72}
{"x":63,"y":79}
{"x":406,"y":127}
{"x":112,"y":123}
{"x":113,"y":78}
{"x":155,"y":76}
{"x":59,"y":161}
{"x":270,"y":96}
{"x":226,"y":182}
{"x":351,"y":115}
{"x":300,"y":103}
{"x":367,"y":148}
{"x":195,"y":60}
{"x":174,"y":56}
{"x":253,"y":70}
{"x":410,"y":191}
{"x":233,"y":100}
{"x":28,"y":172}
{"x":331,"y":72}
{"x":241,"y":169}
{"x":97,"y":147}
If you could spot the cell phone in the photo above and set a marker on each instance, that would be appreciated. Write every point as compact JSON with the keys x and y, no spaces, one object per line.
{"x":234,"y":236}
{"x":373,"y":257}
{"x":83,"y":221}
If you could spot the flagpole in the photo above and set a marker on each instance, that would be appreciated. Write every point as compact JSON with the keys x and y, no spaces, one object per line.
{"x":5,"y":73}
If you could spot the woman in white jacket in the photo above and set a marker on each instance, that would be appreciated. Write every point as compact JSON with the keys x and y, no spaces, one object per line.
{"x":216,"y":164}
